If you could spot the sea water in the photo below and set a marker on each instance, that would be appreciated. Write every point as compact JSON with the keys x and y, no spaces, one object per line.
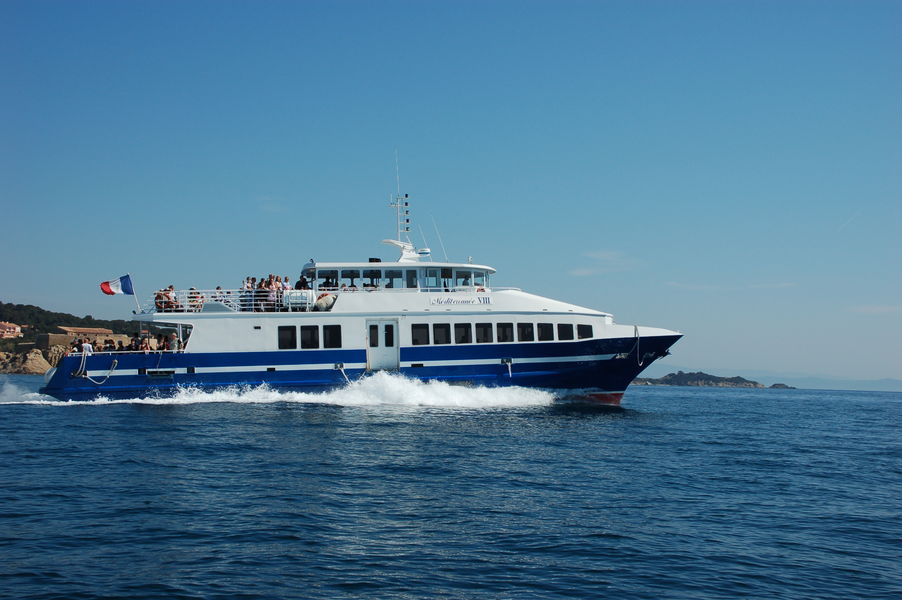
{"x":392,"y":488}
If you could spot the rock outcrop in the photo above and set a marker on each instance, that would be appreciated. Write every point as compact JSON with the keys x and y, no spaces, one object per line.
{"x":29,"y":363}
{"x":700,"y":379}
{"x":55,"y":353}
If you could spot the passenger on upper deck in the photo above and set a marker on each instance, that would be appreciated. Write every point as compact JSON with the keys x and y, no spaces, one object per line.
{"x":274,"y":298}
{"x":171,"y":298}
{"x":246,"y":300}
{"x":164,"y":300}
{"x":260,"y":297}
{"x":302,"y":284}
{"x":195,"y":300}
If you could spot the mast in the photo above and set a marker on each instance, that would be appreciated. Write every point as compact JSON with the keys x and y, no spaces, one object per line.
{"x":402,"y":205}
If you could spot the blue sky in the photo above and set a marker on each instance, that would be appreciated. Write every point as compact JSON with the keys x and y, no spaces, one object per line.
{"x":732,"y":170}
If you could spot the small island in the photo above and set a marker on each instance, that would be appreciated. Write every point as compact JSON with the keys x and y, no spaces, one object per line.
{"x":699,"y":379}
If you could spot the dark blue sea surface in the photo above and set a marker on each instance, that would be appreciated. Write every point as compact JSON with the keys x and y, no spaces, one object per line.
{"x":395,"y":489}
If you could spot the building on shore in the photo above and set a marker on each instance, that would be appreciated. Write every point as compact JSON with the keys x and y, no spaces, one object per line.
{"x":10,"y":330}
{"x":69,"y":334}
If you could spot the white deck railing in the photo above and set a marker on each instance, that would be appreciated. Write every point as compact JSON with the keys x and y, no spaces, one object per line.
{"x":230,"y":300}
{"x":181,"y":301}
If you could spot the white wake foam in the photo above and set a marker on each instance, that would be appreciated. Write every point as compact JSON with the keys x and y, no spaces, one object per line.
{"x":380,"y":389}
{"x":10,"y":393}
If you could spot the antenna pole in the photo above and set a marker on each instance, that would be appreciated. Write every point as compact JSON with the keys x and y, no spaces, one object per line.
{"x":440,"y":239}
{"x":423,"y":235}
{"x":402,"y":205}
{"x":397,"y":173}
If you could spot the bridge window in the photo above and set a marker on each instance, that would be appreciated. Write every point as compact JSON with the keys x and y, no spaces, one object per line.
{"x":331,"y":336}
{"x":525,"y":332}
{"x":463,"y":278}
{"x":288,"y":337}
{"x":372,"y":277}
{"x":564,"y":331}
{"x":479,"y":279}
{"x":410,"y":276}
{"x":433,"y":280}
{"x":349,"y":277}
{"x":584,"y":331}
{"x":392,"y":278}
{"x":419,"y":334}
{"x":309,"y":336}
{"x":441,"y":333}
{"x":327,"y":279}
{"x":483,"y":333}
{"x":463,"y":333}
{"x":546,"y":332}
{"x":505,"y":332}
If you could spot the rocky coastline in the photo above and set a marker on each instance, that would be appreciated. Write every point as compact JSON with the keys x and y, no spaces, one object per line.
{"x":31,"y":362}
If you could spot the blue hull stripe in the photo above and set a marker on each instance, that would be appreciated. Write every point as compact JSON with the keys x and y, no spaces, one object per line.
{"x":607,"y":365}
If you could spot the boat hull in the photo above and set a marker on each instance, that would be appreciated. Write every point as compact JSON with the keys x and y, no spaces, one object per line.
{"x":600,"y":369}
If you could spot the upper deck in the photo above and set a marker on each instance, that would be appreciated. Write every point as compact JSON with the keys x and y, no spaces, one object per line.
{"x":332,"y":278}
{"x":364,"y":287}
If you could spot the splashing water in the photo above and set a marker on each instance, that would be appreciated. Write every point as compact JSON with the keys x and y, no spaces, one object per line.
{"x":10,"y":393}
{"x":380,"y":389}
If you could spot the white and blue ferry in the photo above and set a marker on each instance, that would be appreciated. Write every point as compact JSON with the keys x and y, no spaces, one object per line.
{"x":418,"y":317}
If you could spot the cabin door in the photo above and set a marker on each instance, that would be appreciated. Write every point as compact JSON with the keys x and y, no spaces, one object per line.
{"x":382,"y":345}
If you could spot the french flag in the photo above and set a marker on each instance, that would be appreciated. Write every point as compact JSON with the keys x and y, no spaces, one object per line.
{"x":123,"y":285}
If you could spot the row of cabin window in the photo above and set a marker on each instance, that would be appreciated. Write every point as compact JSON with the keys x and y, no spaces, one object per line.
{"x":396,"y":278}
{"x":526,"y":332}
{"x":310,"y":337}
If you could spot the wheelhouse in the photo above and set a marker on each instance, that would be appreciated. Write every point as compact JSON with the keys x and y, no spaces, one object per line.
{"x":376,"y":275}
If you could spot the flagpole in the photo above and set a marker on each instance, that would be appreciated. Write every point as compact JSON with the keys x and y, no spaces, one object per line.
{"x":135,"y":294}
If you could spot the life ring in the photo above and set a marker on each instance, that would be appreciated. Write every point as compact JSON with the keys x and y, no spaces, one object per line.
{"x":323,"y":295}
{"x":479,"y":289}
